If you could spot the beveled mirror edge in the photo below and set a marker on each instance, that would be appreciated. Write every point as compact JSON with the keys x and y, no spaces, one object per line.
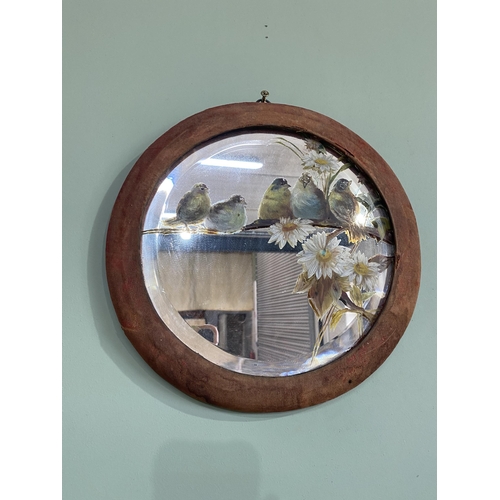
{"x":190,"y":372}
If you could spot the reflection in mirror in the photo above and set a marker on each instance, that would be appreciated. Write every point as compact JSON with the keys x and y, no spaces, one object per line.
{"x":267,"y":254}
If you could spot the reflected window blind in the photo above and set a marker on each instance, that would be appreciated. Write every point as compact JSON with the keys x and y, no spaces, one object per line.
{"x":284,"y":319}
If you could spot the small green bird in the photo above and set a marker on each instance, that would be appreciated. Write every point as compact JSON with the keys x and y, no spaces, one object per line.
{"x":345,"y":207}
{"x":308,"y":201}
{"x":193,"y":207}
{"x":343,"y":203}
{"x":276,"y":201}
{"x":227,"y":216}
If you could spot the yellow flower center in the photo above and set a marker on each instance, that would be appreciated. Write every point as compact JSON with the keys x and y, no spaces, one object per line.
{"x":323,"y":255}
{"x":288,"y":227}
{"x":321,"y":161}
{"x":361,"y":268}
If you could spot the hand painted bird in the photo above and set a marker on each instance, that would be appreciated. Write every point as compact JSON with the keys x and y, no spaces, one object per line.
{"x":345,"y":207}
{"x":227,"y":216}
{"x":276,"y":201}
{"x":192,"y":208}
{"x":307,"y":200}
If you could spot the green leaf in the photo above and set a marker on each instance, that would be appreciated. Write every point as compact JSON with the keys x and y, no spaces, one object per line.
{"x":382,"y":261}
{"x":337,"y":316}
{"x":290,"y":145}
{"x":356,"y":296}
{"x":292,"y":150}
{"x":322,"y":294}
{"x":365,"y":202}
{"x":367,"y":295}
{"x":304,"y":283}
{"x":382,"y":224}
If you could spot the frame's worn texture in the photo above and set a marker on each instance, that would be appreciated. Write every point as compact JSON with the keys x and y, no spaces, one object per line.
{"x":192,"y":373}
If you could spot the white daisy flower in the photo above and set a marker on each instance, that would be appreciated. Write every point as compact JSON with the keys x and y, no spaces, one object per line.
{"x":311,"y":144}
{"x":290,"y":231}
{"x":362,"y":273}
{"x":321,"y":162}
{"x":322,"y":258}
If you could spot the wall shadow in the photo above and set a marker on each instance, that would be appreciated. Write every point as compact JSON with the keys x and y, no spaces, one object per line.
{"x":208,"y":470}
{"x":113,"y":340}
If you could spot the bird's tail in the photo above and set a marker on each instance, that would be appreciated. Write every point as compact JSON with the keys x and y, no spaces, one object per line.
{"x":356,"y":233}
{"x":175,"y":221}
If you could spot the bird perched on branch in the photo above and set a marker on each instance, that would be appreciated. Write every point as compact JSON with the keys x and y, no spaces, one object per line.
{"x":193,"y":207}
{"x":276,"y":201}
{"x":227,"y":216}
{"x":345,"y":207}
{"x":307,"y":200}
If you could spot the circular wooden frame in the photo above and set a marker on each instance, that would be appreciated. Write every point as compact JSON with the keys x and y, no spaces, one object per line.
{"x":189,"y":371}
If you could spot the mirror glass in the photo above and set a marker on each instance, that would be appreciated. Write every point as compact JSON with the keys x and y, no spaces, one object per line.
{"x":268,"y":254}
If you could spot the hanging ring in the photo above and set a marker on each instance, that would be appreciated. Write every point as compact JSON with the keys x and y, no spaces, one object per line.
{"x":264,"y":95}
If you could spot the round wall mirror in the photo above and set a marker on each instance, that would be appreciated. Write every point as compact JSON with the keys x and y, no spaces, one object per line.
{"x":262,"y":257}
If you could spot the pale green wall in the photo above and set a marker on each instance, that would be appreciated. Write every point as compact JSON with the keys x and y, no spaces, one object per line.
{"x":133,"y":69}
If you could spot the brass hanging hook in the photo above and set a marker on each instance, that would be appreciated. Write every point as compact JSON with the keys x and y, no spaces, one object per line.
{"x":264,"y":95}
